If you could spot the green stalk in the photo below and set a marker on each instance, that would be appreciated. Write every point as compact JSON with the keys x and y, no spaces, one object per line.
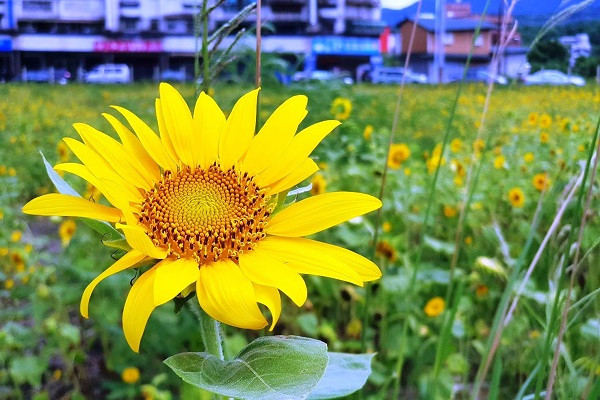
{"x":554,"y":316}
{"x":205,"y":57}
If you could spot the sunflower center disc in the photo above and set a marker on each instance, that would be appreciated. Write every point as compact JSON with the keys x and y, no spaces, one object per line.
{"x":207,"y":214}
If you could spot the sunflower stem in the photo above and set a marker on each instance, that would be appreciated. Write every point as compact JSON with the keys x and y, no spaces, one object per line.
{"x":210,"y":330}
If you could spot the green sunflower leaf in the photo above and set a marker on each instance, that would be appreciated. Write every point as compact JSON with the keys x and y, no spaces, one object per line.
{"x":269,"y":368}
{"x":345,"y":374}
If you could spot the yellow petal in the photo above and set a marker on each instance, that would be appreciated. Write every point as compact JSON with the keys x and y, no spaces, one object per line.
{"x":149,"y":140}
{"x":320,"y":212}
{"x":178,"y":120}
{"x":275,"y":135}
{"x":127,"y":261}
{"x":163,"y":131}
{"x":137,"y":239}
{"x":299,"y":149}
{"x":365,"y":268}
{"x":228,"y":296}
{"x":269,"y":296}
{"x":208,"y":124}
{"x":238,"y":130}
{"x":172,"y":276}
{"x":268,"y":271}
{"x":134,"y":148}
{"x":101,"y":169}
{"x":306,"y":169}
{"x":138,"y":307}
{"x":304,"y":258}
{"x":114,"y":153}
{"x":71,"y":206}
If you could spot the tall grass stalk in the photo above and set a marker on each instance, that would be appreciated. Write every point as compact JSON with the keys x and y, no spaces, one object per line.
{"x":365,"y":320}
{"x":593,"y":161}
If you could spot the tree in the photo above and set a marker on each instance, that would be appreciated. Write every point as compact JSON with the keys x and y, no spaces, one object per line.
{"x":548,"y":54}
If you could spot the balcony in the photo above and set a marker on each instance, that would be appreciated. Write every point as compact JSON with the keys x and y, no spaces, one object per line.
{"x":81,"y":10}
{"x":35,"y":10}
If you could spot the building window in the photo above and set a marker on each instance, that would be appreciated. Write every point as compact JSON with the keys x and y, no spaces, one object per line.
{"x":129,"y":24}
{"x":479,"y":41}
{"x":447,"y":39}
{"x":37,"y":5}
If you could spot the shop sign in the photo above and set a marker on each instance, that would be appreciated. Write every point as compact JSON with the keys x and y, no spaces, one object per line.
{"x":350,"y":46}
{"x":128,"y":46}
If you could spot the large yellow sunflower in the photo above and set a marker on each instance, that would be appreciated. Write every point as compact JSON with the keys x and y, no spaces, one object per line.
{"x":200,"y":198}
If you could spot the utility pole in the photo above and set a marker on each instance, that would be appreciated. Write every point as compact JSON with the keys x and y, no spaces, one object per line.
{"x":439,"y":56}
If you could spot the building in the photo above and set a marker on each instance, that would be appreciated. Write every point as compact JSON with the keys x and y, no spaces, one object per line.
{"x":159,"y":34}
{"x":457,"y":38}
{"x":578,"y":46}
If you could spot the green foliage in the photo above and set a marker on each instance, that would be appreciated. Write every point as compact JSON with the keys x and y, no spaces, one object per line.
{"x":548,"y":54}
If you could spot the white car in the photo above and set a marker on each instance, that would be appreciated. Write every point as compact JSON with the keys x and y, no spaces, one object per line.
{"x":109,"y":73}
{"x":553,"y":77}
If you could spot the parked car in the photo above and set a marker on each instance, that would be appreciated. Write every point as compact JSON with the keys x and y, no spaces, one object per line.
{"x":323,"y":76}
{"x":386,"y":75}
{"x":173,"y":75}
{"x":553,"y":77}
{"x":483,"y":75}
{"x":50,"y":75}
{"x":109,"y":73}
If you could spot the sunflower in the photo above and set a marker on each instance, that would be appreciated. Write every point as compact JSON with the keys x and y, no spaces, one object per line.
{"x":200,"y":200}
{"x":398,"y":153}
{"x":516,"y":197}
{"x":541,"y":181}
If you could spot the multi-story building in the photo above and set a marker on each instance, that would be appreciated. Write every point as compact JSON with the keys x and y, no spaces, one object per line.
{"x":151,"y":34}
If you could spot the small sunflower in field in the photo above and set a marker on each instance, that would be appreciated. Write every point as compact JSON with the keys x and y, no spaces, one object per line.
{"x":434,"y":307}
{"x":130,"y":375}
{"x":456,"y":145}
{"x":450,"y":211}
{"x":397,"y":155}
{"x":545,"y":121}
{"x":385,"y":250}
{"x":541,"y":181}
{"x":63,"y":151}
{"x":529,"y":157}
{"x":16,"y":236}
{"x":435,"y":159}
{"x":199,"y":201}
{"x":368,"y":131}
{"x":386,"y":227}
{"x":341,"y":108}
{"x":516,"y":197}
{"x":66,"y":230}
{"x":533,"y":118}
{"x":478,"y":146}
{"x":544,"y":137}
{"x":499,"y":161}
{"x":319,"y":185}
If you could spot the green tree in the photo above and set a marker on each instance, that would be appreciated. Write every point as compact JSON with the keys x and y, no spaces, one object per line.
{"x":548,"y":54}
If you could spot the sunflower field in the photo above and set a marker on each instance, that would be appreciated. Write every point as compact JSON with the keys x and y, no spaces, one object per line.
{"x":487,"y":241}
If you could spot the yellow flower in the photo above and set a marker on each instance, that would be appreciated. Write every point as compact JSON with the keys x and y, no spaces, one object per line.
{"x":397,"y":155}
{"x":2,"y":170}
{"x":16,"y":236}
{"x":516,"y":197}
{"x":455,"y":145}
{"x":469,"y":240}
{"x":435,"y":159}
{"x":386,"y":227}
{"x":368,"y":132}
{"x":354,"y":328}
{"x":434,"y":307}
{"x":385,"y":250}
{"x":130,"y":375}
{"x":341,"y":108}
{"x":12,"y":171}
{"x":544,"y":137}
{"x":319,"y":185}
{"x":499,"y":162}
{"x":581,"y":147}
{"x":541,"y":181}
{"x":9,"y":284}
{"x":63,"y":151}
{"x":1,"y":214}
{"x":3,"y":251}
{"x":533,"y":118}
{"x":545,"y":121}
{"x":450,"y":211}
{"x":66,"y":230}
{"x":529,"y":157}
{"x":407,"y":171}
{"x":199,"y":198}
{"x":92,"y":193}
